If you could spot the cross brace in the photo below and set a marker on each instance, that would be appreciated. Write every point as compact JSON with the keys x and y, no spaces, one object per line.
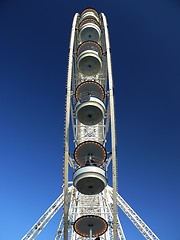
{"x":107,"y":196}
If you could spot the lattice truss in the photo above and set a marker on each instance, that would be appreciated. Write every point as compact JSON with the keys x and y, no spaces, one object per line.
{"x":90,"y":115}
{"x":79,"y":203}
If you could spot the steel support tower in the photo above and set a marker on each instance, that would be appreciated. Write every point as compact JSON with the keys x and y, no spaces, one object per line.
{"x":89,"y":204}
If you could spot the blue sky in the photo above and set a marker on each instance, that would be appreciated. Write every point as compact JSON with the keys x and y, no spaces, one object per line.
{"x":34,"y":41}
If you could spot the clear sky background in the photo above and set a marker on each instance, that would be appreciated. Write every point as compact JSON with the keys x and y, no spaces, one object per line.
{"x":145,"y":46}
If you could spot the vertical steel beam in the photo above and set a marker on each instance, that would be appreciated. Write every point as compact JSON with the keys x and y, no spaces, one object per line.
{"x":113,"y":127}
{"x":67,"y":123}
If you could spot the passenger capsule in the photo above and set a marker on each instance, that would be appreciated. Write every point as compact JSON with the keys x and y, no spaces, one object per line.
{"x":90,"y":108}
{"x":91,"y":87}
{"x":90,"y":153}
{"x":89,"y":30}
{"x":89,"y":60}
{"x":89,"y":180}
{"x":89,"y":13}
{"x":86,"y":223}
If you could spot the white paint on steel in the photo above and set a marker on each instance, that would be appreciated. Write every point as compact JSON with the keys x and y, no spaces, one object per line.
{"x":113,"y":128}
{"x":67,"y":124}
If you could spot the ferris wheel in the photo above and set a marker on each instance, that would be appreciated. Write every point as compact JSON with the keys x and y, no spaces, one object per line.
{"x":89,"y":203}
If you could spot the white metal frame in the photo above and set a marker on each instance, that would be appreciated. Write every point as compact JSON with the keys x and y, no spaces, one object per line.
{"x":106,"y":198}
{"x":71,"y":200}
